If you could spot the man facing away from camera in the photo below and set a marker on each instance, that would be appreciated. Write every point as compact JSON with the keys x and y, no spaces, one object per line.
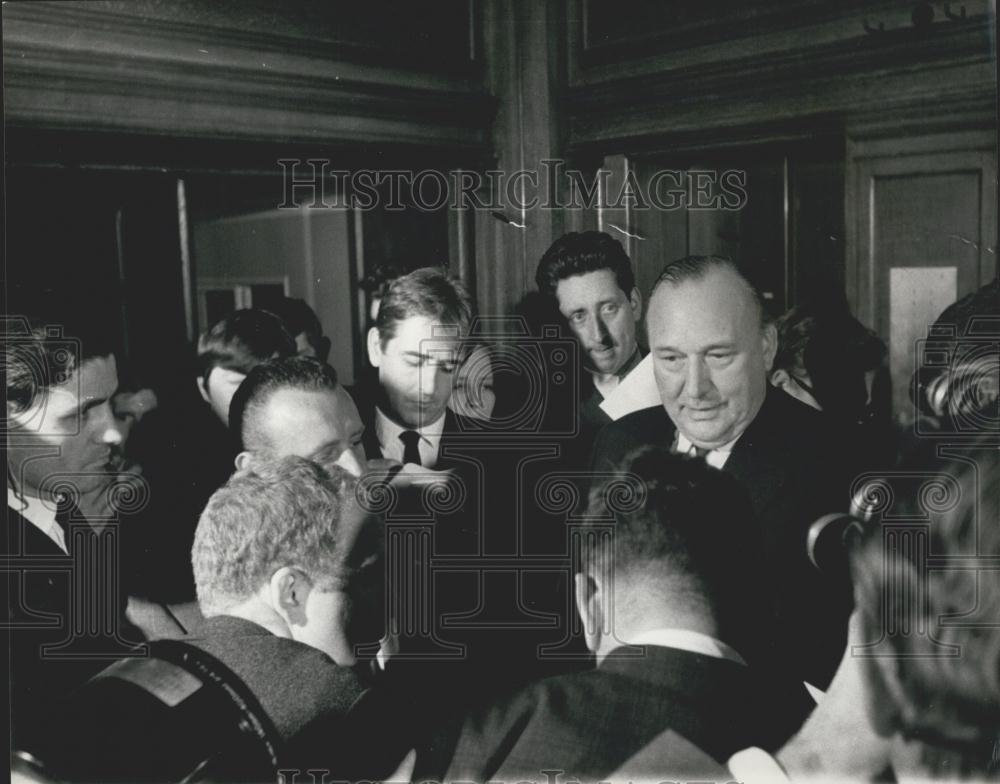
{"x":667,"y":593}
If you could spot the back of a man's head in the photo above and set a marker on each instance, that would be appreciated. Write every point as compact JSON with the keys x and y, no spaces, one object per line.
{"x":933,"y":676}
{"x":241,"y":341}
{"x":684,"y":541}
{"x":427,"y":292}
{"x":277,"y":513}
{"x":304,"y":326}
{"x":299,"y":373}
{"x":578,"y":253}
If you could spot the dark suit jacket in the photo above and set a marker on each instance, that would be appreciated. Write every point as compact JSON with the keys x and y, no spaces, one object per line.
{"x":588,"y":724}
{"x":796,"y":468}
{"x":365,"y":397}
{"x":294,"y":682}
{"x":487,"y":610}
{"x":40,"y":591}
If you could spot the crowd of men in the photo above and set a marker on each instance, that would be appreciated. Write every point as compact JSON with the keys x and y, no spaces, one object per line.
{"x":433,"y":570}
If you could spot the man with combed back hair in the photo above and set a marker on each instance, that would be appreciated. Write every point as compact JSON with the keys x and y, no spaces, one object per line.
{"x":296,"y":406}
{"x":712,"y":347}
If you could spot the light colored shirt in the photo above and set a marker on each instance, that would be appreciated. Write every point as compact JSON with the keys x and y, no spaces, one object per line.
{"x":688,"y":640}
{"x":41,"y":514}
{"x":387,"y":432}
{"x":716,"y":457}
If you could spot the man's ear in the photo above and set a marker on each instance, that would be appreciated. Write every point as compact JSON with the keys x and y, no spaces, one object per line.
{"x":288,"y":590}
{"x":780,"y":379}
{"x":202,"y":384}
{"x":769,"y":342}
{"x":374,"y":347}
{"x":635,"y":302}
{"x":588,"y":605}
{"x":243,"y":460}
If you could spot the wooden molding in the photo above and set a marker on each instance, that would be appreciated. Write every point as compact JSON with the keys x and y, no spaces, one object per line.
{"x":70,"y":67}
{"x":864,"y":81}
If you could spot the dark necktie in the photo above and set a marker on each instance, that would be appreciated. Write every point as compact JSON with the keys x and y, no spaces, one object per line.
{"x":699,"y":451}
{"x":410,"y":439}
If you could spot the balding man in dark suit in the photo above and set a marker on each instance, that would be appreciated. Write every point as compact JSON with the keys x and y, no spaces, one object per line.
{"x":712,"y":349}
{"x":666,"y":592}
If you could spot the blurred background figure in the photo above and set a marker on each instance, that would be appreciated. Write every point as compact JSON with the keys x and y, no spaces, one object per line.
{"x":304,"y":326}
{"x":474,"y":395}
{"x":958,"y":381}
{"x":827,"y":359}
{"x":932,"y":636}
{"x":376,"y":284}
{"x":830,"y":361}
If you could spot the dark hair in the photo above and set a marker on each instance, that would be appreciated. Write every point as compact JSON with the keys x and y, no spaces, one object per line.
{"x":242,"y":340}
{"x":692,"y":268}
{"x":298,"y":318}
{"x":941,"y":685}
{"x":578,"y":253}
{"x":303,"y":373}
{"x":675,"y":514}
{"x":809,"y":333}
{"x":427,"y":292}
{"x":40,"y":353}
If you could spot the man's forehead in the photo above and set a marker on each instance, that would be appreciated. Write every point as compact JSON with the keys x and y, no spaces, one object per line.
{"x":588,"y":286}
{"x":96,"y":378}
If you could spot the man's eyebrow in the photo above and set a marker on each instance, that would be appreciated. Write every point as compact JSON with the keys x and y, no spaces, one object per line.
{"x":95,"y":401}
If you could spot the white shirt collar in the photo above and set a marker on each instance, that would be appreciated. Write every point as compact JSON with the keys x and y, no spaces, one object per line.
{"x":688,"y":640}
{"x":716,"y":457}
{"x":387,"y":432}
{"x":41,"y":514}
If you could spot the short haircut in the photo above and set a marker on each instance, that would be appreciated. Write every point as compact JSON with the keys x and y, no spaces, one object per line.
{"x":427,"y":292}
{"x":241,"y":341}
{"x":298,"y":318}
{"x":41,"y":352}
{"x":276,"y":513}
{"x":303,"y":373}
{"x":578,"y":253}
{"x":676,"y":516}
{"x":694,"y":268}
{"x":942,"y":685}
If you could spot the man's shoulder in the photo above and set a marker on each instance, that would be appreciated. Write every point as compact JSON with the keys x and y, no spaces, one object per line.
{"x":616,"y":439}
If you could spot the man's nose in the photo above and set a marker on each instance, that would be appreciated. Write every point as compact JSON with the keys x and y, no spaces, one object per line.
{"x":428,"y":379}
{"x":107,"y":427}
{"x":697,"y":383}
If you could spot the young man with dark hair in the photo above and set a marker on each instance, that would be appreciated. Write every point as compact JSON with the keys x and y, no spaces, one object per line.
{"x":60,"y":432}
{"x":415,"y":349}
{"x":234,"y":346}
{"x":590,"y":277}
